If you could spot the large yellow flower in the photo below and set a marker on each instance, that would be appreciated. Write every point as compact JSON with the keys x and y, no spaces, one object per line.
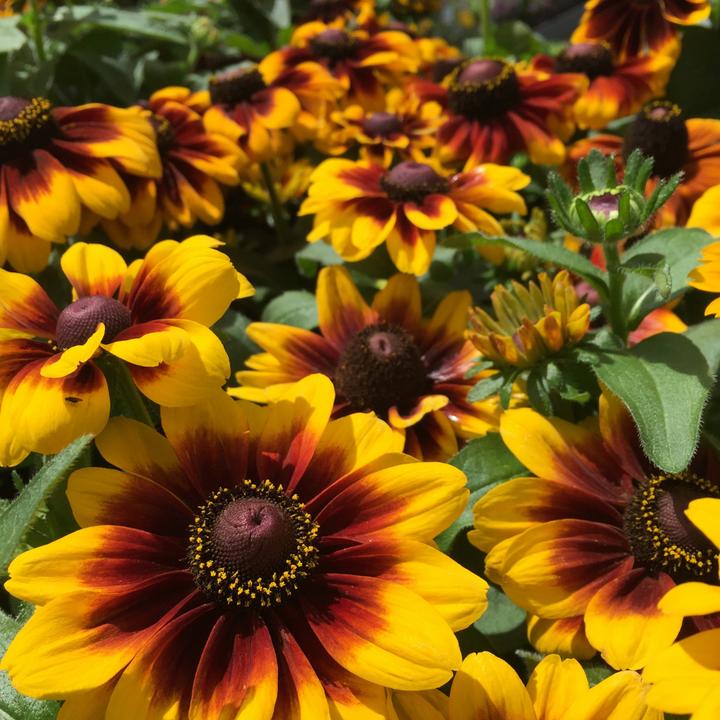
{"x":358,"y":206}
{"x":385,"y":359}
{"x":686,"y":676}
{"x":251,"y":563}
{"x":153,"y":315}
{"x":487,"y":688}
{"x":56,"y":161}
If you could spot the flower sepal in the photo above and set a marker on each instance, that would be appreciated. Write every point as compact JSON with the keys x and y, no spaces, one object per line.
{"x":605,"y":211}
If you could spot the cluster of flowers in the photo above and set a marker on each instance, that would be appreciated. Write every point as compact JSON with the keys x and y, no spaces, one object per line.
{"x":270,"y":553}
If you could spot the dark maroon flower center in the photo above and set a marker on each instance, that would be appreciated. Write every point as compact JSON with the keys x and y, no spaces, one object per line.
{"x":383,"y":124}
{"x":413,"y":182}
{"x":236,"y":86}
{"x":25,"y":125}
{"x":251,"y":545}
{"x":334,"y":44}
{"x":606,"y":203}
{"x":164,"y":133}
{"x":79,"y":320}
{"x":661,"y":536}
{"x":659,"y":132}
{"x":483,"y":89}
{"x":442,"y":68}
{"x":381,"y":367}
{"x":591,"y":59}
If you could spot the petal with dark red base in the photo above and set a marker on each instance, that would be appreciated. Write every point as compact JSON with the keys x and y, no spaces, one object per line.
{"x":25,"y":306}
{"x":93,"y":269}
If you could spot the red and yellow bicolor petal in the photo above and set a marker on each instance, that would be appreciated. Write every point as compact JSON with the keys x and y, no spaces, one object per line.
{"x":382,"y":632}
{"x":411,"y":248}
{"x":686,"y":674}
{"x":42,"y":193}
{"x":487,"y":687}
{"x":399,"y":303}
{"x":67,"y":362}
{"x":565,"y":636}
{"x":47,"y":414}
{"x":622,"y":696}
{"x":624,"y":623}
{"x":25,"y":306}
{"x":558,"y":450}
{"x":435,"y":212}
{"x":555,"y":569}
{"x":193,"y":376}
{"x":93,"y":269}
{"x":554,"y":685}
{"x":424,"y":405}
{"x":188,"y":281}
{"x":342,"y":310}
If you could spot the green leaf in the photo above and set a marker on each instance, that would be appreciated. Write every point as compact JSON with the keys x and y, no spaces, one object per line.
{"x":632,"y":168}
{"x":238,"y":345}
{"x":707,"y":337}
{"x":11,"y":38}
{"x":664,"y":381}
{"x":503,"y":623}
{"x":321,"y":252}
{"x":505,"y":392}
{"x":588,"y":220}
{"x":681,"y":248}
{"x":611,"y":177}
{"x":584,"y":176}
{"x":487,"y":387}
{"x":487,"y":462}
{"x":558,"y":187}
{"x":614,"y":230}
{"x":15,"y":520}
{"x":624,"y":213}
{"x":644,"y":175}
{"x":668,"y":189}
{"x":477,"y":369}
{"x":561,"y":216}
{"x":538,"y":393}
{"x":13,"y":705}
{"x":598,"y":165}
{"x":651,"y":265}
{"x":560,"y":256}
{"x":596,"y":674}
{"x":295,"y":307}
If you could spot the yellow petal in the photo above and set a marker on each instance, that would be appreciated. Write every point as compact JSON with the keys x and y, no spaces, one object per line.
{"x":69,"y":360}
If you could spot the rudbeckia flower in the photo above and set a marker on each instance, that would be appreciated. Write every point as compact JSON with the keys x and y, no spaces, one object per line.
{"x":406,"y":127}
{"x":194,"y":162}
{"x":532,"y":322}
{"x":661,"y":131}
{"x":153,"y":315}
{"x":362,"y":63}
{"x":251,"y":105}
{"x":498,"y":108}
{"x":599,"y":535}
{"x":617,"y":88}
{"x":636,"y":27}
{"x":54,"y":161}
{"x":251,"y":562}
{"x":686,"y":676}
{"x":487,"y":687}
{"x":358,"y":206}
{"x":385,"y":359}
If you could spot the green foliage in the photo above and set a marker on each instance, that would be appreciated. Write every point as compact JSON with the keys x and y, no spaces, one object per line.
{"x":295,"y":307}
{"x":664,"y":381}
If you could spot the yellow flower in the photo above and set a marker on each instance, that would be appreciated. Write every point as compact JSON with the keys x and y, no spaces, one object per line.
{"x":291,"y":179}
{"x":249,"y":563}
{"x":531,"y":323}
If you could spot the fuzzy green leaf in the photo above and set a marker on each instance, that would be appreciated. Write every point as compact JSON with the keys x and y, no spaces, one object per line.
{"x":295,"y":307}
{"x":558,"y":187}
{"x":598,"y":166}
{"x":585,"y":176}
{"x":632,"y":168}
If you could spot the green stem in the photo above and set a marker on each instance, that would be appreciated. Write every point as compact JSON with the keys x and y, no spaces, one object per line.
{"x":485,"y":19}
{"x":131,"y":393}
{"x":617,"y":280}
{"x":37,"y":30}
{"x":276,"y":207}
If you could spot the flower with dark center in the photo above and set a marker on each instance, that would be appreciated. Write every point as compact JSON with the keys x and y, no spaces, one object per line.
{"x":58,"y":163}
{"x":274,"y":566}
{"x":195,"y":163}
{"x":383,"y":358}
{"x":659,"y":132}
{"x":442,"y":68}
{"x":383,"y":124}
{"x":235,"y":86}
{"x":381,"y":367}
{"x":404,"y":207}
{"x":591,"y":59}
{"x":662,"y":538}
{"x":634,"y":28}
{"x":601,"y":538}
{"x":499,"y":108}
{"x":360,"y":61}
{"x":483,"y":89}
{"x":78,"y":321}
{"x":156,"y":319}
{"x":413,"y":182}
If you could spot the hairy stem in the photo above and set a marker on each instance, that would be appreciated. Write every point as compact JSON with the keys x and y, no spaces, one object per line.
{"x":616,"y":315}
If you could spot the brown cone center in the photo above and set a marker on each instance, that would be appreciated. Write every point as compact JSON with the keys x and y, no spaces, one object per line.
{"x":413,"y":182}
{"x":334,"y":44}
{"x":659,"y":132}
{"x":483,"y":89}
{"x":592,"y":59}
{"x":381,"y":367}
{"x":164,"y":133}
{"x":383,"y":124}
{"x":79,"y":320}
{"x":235,"y":86}
{"x":25,"y":125}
